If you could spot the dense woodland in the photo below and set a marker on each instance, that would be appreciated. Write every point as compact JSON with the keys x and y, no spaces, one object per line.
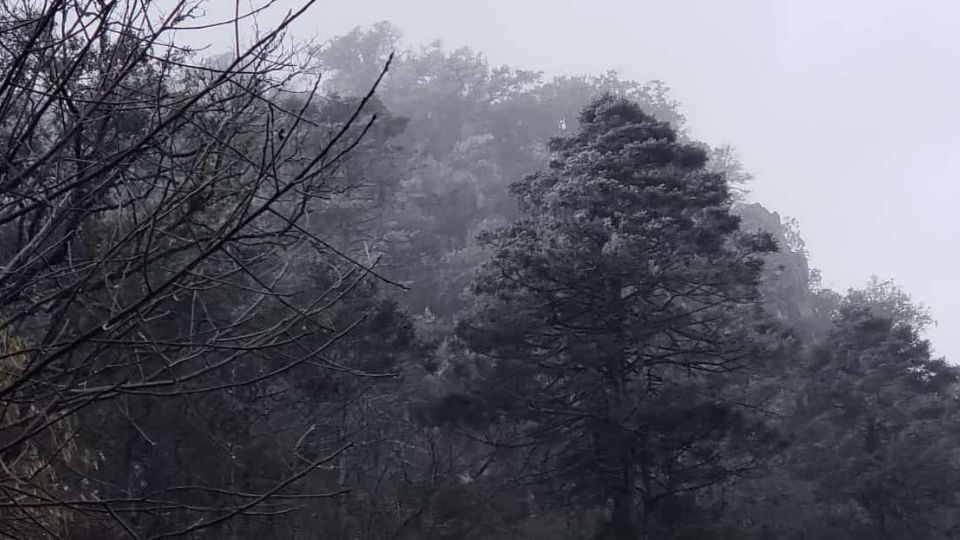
{"x":352,"y":290}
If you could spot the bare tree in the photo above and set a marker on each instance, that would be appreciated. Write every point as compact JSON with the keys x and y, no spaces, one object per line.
{"x":153,"y":213}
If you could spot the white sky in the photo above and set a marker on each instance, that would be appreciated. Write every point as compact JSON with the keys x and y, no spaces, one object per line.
{"x":846,"y":111}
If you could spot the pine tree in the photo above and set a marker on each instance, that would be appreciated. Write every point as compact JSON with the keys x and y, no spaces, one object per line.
{"x":611,"y":314}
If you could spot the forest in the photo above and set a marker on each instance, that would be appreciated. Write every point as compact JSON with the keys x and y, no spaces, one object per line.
{"x":357,"y":290}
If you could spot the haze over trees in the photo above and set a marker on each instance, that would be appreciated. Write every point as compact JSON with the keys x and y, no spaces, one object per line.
{"x":421,"y":297}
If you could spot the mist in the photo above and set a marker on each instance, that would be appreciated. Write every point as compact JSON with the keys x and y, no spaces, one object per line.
{"x":438,"y":270}
{"x":845,"y":114}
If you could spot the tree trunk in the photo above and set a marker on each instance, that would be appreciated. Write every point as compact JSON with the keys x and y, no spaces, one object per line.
{"x":626,"y":518}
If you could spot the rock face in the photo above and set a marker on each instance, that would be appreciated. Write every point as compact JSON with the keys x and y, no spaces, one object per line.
{"x":790,"y":287}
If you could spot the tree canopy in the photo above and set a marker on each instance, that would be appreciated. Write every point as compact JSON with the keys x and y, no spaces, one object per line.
{"x":421,"y":297}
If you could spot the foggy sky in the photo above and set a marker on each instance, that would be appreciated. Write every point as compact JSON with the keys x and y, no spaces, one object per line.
{"x":845,"y":112}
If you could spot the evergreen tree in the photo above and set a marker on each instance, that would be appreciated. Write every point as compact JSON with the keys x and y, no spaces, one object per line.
{"x":876,"y":421}
{"x":611,"y":315}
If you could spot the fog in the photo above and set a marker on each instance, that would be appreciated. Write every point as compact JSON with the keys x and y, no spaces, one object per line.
{"x":511,"y":284}
{"x":846,"y":113}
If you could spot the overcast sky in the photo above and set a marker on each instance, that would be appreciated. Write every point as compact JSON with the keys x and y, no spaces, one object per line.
{"x":845,"y":111}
